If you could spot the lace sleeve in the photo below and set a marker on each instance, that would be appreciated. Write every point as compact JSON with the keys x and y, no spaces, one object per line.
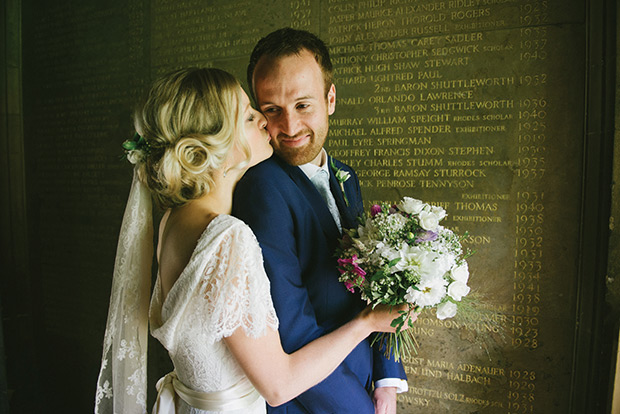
{"x":234,"y":288}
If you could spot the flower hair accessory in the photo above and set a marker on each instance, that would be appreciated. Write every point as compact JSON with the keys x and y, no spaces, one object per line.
{"x":136,"y":148}
{"x":341,"y":176}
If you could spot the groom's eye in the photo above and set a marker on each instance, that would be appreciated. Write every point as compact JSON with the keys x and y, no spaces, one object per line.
{"x":270,"y":111}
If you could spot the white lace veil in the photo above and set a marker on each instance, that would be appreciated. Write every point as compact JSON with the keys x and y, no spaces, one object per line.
{"x":121,"y":386}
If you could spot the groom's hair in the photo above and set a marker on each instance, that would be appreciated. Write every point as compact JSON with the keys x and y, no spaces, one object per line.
{"x":285,"y":42}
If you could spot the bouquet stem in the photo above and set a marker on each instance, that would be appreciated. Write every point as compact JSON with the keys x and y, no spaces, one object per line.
{"x":397,"y":344}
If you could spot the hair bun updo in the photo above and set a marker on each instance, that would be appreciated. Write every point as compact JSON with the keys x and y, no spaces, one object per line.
{"x":192,"y":118}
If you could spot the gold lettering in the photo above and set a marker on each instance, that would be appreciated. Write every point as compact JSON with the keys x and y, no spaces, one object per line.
{"x":475,"y":206}
{"x":347,"y":132}
{"x":404,"y":141}
{"x":459,"y":184}
{"x":411,"y":173}
{"x":469,"y":151}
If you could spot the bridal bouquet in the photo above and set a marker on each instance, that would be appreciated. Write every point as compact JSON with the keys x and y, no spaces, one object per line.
{"x":399,"y":255}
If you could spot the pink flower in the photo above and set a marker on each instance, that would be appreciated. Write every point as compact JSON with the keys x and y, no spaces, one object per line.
{"x":352,"y":263}
{"x":375,"y":209}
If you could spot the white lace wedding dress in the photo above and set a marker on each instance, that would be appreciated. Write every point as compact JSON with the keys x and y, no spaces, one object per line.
{"x":223,"y":287}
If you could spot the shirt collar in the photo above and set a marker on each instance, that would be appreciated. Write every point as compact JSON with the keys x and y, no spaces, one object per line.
{"x":310,"y":169}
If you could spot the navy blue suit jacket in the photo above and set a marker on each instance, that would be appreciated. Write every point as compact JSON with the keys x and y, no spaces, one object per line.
{"x":298,"y":235}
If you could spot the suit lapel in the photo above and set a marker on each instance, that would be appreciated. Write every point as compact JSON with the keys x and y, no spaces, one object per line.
{"x":348,"y":219}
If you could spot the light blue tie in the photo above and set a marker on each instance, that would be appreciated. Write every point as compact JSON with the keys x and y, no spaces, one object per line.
{"x":321,"y":182}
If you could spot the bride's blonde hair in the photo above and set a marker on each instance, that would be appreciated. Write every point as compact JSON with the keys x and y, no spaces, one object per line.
{"x":191,"y":120}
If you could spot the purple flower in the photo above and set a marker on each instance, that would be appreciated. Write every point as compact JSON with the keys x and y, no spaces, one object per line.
{"x":427,"y":236}
{"x":375,"y":209}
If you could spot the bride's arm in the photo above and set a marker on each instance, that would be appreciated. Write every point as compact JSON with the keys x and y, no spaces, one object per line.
{"x":280,"y":377}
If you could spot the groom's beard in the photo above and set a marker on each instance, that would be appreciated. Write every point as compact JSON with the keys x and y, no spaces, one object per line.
{"x":302,"y":154}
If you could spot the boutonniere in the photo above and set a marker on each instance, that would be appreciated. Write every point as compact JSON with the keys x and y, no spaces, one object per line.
{"x":341,"y":176}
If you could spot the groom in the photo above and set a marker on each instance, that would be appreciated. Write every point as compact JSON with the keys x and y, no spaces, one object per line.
{"x":298,"y":225}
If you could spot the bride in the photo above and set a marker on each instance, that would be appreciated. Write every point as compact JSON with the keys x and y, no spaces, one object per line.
{"x":211,"y":307}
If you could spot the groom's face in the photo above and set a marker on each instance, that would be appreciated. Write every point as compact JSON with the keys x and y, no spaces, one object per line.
{"x":290,"y":92}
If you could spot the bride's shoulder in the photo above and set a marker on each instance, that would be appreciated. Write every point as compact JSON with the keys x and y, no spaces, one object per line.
{"x":227,"y":226}
{"x":227,"y":220}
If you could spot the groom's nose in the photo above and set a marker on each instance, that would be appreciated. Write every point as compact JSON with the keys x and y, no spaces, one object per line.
{"x":288,"y":123}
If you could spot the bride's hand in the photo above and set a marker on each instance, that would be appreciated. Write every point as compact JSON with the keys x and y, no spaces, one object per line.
{"x":380,"y":318}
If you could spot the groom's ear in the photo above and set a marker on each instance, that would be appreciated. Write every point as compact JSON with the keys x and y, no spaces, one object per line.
{"x":331,"y":100}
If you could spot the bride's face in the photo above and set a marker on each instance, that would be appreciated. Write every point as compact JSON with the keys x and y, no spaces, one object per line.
{"x":257,"y":136}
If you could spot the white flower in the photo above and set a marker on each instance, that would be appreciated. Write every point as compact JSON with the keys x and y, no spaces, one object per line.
{"x":396,"y":222}
{"x":409,"y":258}
{"x":457,"y":290}
{"x":342,"y":175}
{"x":361,"y":247}
{"x":387,"y":252}
{"x":444,"y":262}
{"x":446,"y":310}
{"x":134,"y":156}
{"x":460,"y":273}
{"x":430,"y":265}
{"x":411,"y":205}
{"x":411,"y":295}
{"x":428,"y":220}
{"x":415,"y":259}
{"x":431,"y":292}
{"x":439,"y":212}
{"x":369,"y":230}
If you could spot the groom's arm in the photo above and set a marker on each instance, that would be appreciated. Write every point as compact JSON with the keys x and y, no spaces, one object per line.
{"x":387,"y":372}
{"x":262,"y":206}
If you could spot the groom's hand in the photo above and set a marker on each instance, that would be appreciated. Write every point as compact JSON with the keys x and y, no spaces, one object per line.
{"x":384,"y":399}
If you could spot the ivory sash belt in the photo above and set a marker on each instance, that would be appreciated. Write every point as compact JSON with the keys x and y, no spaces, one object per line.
{"x":239,"y":396}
